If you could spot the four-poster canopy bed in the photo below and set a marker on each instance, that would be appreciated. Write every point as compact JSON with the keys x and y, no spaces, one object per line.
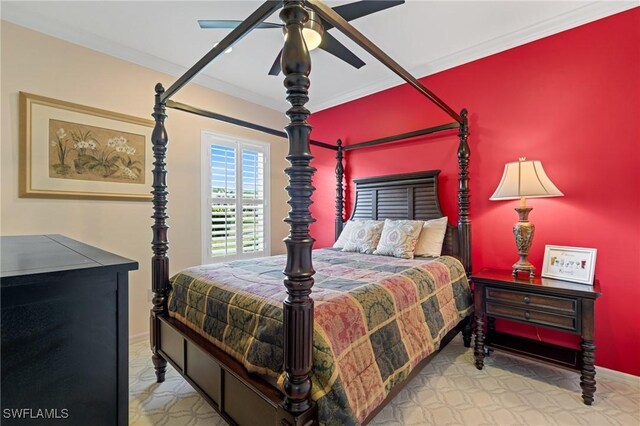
{"x":239,"y":396}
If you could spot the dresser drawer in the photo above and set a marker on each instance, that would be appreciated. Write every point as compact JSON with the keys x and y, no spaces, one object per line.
{"x":564,"y":305}
{"x":565,"y":322}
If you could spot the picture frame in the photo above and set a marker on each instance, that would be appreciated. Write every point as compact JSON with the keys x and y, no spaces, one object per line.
{"x":74,"y":151}
{"x":575,"y":264}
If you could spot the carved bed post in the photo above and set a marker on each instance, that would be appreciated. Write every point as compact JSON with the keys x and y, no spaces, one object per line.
{"x":298,"y":306}
{"x":339,"y":189}
{"x":160,"y":244}
{"x":464,"y":224}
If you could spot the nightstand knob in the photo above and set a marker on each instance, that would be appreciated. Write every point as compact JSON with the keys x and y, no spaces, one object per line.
{"x":526,"y":315}
{"x":526,"y":299}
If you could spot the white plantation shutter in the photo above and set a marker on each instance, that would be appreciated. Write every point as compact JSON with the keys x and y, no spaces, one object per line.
{"x":235,"y":208}
{"x":223,"y":200}
{"x":252,"y":229}
{"x":223,"y":229}
{"x":252,"y":201}
{"x":223,"y":171}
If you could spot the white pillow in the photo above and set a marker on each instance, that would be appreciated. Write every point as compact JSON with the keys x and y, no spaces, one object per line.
{"x":344,"y":235}
{"x":364,"y":236}
{"x":399,"y":238}
{"x":431,"y":238}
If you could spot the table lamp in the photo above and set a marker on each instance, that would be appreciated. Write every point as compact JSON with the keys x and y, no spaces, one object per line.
{"x":524,"y":179}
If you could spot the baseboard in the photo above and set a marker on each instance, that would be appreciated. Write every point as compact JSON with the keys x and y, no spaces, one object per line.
{"x":617,"y":375}
{"x":600,"y":371}
{"x":136,"y":338}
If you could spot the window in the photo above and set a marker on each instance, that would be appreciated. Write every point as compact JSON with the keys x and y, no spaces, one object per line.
{"x":235,"y":188}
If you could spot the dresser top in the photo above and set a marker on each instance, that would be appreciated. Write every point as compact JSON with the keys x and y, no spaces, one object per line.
{"x":39,"y":254}
{"x":549,"y":285}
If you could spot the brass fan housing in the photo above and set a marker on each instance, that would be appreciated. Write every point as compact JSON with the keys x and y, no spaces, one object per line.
{"x":312,"y":31}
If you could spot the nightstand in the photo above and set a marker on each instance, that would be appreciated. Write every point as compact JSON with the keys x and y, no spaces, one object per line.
{"x":542,"y":302}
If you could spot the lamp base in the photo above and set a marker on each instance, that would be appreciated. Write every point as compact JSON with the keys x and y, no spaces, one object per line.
{"x":523,"y":230}
{"x":523,"y":267}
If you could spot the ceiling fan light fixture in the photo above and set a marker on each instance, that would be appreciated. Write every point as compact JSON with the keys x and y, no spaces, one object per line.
{"x":312,"y":38}
{"x":312,"y":31}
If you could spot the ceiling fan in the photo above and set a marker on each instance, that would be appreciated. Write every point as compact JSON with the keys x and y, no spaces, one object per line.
{"x":315,"y":30}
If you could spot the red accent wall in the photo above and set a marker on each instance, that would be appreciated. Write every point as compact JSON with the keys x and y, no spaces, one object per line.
{"x":571,"y":100}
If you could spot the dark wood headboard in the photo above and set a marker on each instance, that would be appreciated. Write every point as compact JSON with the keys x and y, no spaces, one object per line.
{"x":404,"y":196}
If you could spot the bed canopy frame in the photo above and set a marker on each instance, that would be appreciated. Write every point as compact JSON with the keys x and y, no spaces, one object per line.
{"x":297,"y":407}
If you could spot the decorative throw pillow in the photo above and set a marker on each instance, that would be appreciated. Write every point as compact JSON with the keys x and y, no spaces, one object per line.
{"x":364,"y":236}
{"x":431,"y":238}
{"x":399,"y":238}
{"x":344,"y":235}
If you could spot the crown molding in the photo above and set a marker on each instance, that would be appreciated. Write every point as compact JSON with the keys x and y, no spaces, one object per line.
{"x":580,"y":16}
{"x":51,"y":27}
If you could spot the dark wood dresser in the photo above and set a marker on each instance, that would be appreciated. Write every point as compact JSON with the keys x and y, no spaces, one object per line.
{"x":542,"y":302}
{"x":64,"y":332}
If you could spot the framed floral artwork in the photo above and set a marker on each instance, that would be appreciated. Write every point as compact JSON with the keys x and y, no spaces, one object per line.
{"x":74,"y":151}
{"x":575,"y":264}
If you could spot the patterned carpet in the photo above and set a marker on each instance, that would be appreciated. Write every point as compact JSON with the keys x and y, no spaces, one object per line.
{"x":449,"y":391}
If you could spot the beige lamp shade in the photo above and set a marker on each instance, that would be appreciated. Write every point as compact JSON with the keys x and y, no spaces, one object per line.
{"x":525,"y":179}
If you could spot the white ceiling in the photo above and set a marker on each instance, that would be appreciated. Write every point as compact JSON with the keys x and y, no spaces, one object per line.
{"x":422,"y":36}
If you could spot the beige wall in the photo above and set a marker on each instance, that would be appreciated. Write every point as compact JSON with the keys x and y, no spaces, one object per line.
{"x":42,"y":65}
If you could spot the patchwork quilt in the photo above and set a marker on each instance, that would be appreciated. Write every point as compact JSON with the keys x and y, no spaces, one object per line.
{"x":376,"y":318}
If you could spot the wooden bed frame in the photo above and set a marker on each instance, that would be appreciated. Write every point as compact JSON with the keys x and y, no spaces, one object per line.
{"x":220,"y":379}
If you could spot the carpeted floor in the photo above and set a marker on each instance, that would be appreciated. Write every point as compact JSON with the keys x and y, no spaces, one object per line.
{"x":449,"y":391}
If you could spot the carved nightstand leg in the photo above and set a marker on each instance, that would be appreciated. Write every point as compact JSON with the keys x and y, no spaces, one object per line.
{"x":478,"y":350}
{"x":588,"y":376}
{"x":466,"y":331}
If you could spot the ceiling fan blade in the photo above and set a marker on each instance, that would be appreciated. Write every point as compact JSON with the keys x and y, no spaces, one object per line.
{"x":332,"y":45}
{"x":226,"y":24}
{"x":362,"y":8}
{"x":276,"y":68}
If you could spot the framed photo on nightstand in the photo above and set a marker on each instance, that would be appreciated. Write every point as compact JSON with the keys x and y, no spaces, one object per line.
{"x":575,"y":264}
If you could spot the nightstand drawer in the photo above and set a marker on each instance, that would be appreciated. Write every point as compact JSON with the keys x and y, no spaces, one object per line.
{"x":565,"y":322}
{"x":535,"y":301}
